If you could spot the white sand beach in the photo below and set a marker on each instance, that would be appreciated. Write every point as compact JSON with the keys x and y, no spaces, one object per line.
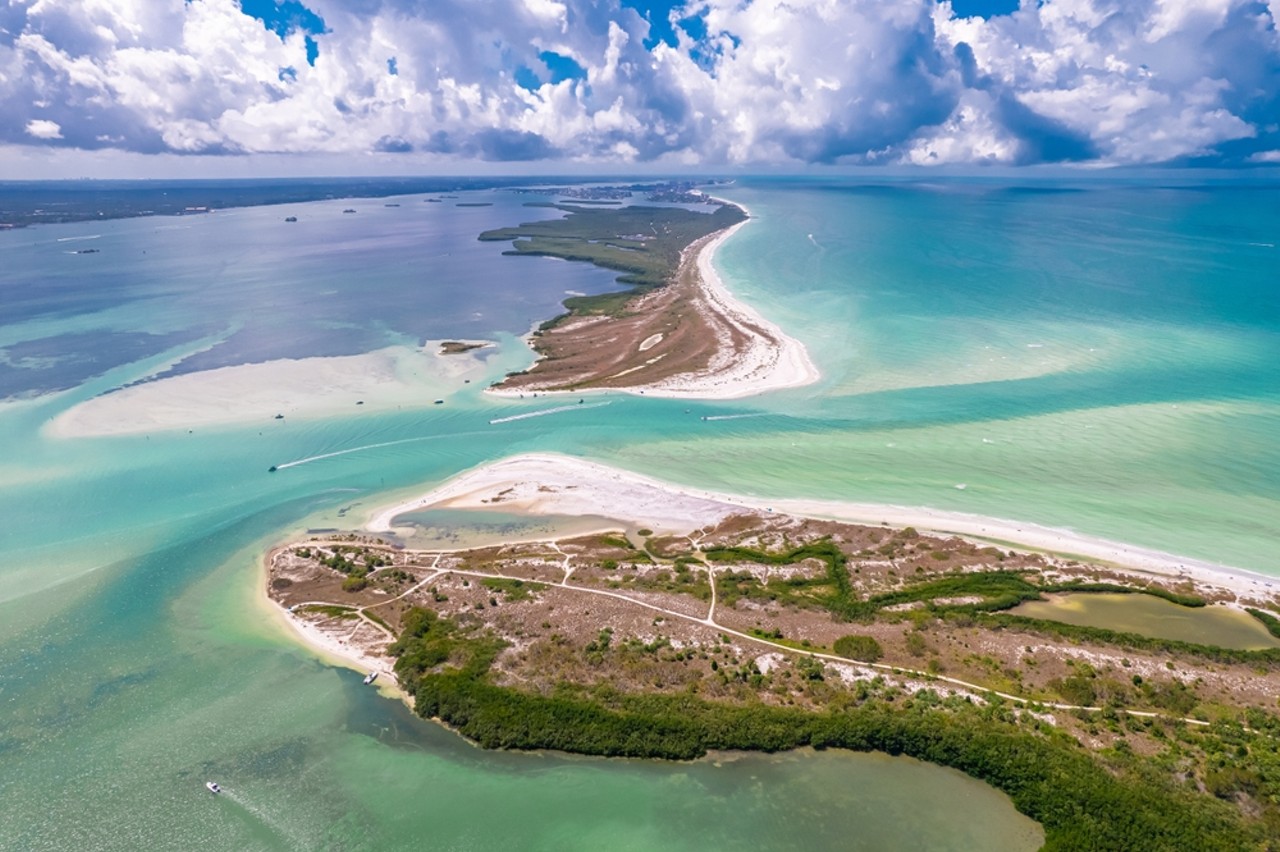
{"x":771,"y":361}
{"x":552,"y":484}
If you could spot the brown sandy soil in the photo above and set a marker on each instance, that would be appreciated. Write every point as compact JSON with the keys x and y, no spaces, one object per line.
{"x":680,"y":329}
{"x":601,"y":609}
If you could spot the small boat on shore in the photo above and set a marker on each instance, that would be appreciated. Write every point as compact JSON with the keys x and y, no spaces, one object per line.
{"x":213,"y":787}
{"x":370,"y":678}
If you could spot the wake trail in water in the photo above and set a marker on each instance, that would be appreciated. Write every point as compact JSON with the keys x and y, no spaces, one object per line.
{"x":291,"y":838}
{"x":736,"y":416}
{"x":558,"y":409}
{"x":359,"y":449}
{"x":78,"y":239}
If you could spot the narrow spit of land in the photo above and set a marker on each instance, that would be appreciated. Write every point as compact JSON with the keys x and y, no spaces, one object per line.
{"x":764,"y":631}
{"x":674,"y":332}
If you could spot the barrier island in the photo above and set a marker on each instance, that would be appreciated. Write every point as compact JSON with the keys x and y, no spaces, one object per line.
{"x":674,"y":331}
{"x":695,"y":623}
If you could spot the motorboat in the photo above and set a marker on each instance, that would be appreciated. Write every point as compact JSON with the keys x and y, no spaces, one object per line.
{"x":213,"y":787}
{"x":370,"y":678}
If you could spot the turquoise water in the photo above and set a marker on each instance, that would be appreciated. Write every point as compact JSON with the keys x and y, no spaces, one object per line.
{"x":1103,"y":359}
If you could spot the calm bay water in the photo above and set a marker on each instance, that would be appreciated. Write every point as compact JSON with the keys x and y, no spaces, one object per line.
{"x":1103,"y":359}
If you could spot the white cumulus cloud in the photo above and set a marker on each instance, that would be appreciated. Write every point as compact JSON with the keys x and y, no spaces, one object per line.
{"x":43,"y":129}
{"x":769,"y":81}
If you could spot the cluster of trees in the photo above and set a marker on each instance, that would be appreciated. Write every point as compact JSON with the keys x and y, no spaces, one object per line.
{"x":1081,"y":803}
{"x":863,"y":648}
{"x":356,"y":563}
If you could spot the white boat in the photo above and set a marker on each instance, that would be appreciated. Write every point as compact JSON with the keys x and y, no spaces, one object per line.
{"x":370,"y":678}
{"x":213,"y":786}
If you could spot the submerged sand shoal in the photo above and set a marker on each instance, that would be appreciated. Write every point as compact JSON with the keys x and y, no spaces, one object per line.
{"x":552,"y":484}
{"x":396,"y":376}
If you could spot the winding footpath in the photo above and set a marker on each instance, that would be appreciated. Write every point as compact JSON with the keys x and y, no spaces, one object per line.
{"x":709,"y":621}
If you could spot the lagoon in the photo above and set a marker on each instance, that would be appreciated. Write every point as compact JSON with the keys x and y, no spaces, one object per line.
{"x":1151,"y":616}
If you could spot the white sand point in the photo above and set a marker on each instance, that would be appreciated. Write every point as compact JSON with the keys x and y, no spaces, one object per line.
{"x":552,"y":484}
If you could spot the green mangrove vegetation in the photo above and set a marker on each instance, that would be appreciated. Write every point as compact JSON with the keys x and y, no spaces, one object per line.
{"x":641,"y":242}
{"x":1113,"y":799}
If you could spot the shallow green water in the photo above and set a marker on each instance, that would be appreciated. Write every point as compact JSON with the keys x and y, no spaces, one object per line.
{"x":1152,"y":616}
{"x":1102,"y":360}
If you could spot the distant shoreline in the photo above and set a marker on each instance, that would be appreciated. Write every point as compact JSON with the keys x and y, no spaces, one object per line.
{"x":62,"y":202}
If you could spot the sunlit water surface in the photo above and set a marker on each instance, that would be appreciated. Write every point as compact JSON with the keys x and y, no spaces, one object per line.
{"x":1102,"y":359}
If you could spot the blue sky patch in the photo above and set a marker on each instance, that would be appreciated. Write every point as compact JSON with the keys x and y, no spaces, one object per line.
{"x":288,"y":16}
{"x":985,"y":9}
{"x":559,"y":67}
{"x":562,"y":67}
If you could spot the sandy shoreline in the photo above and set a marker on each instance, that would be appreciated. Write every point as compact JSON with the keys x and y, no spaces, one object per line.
{"x":750,"y":355}
{"x":547,"y":483}
{"x":328,"y":647}
{"x":772,"y":360}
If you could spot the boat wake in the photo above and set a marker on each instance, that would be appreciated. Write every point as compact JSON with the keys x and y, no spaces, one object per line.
{"x":736,"y":416}
{"x":359,"y":449}
{"x":557,"y":410}
{"x":78,"y":239}
{"x":292,"y":839}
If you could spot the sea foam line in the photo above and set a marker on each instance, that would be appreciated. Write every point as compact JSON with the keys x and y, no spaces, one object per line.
{"x":545,"y":411}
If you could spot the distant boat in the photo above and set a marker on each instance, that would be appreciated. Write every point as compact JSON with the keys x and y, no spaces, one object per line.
{"x":439,"y":402}
{"x":291,"y":218}
{"x":213,"y":787}
{"x":273,"y":468}
{"x":349,"y":210}
{"x":391,"y":205}
{"x":370,"y":678}
{"x":279,"y":416}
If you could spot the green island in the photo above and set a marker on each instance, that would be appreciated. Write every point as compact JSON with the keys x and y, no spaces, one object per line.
{"x":644,"y":243}
{"x":765,"y":632}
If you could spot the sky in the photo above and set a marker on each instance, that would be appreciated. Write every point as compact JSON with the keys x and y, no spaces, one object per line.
{"x":239,"y":87}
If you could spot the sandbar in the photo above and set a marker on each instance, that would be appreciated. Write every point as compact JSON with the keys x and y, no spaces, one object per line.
{"x":386,"y":379}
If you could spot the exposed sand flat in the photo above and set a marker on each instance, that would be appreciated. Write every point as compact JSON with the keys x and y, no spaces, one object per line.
{"x":550,"y":484}
{"x":398,"y":376}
